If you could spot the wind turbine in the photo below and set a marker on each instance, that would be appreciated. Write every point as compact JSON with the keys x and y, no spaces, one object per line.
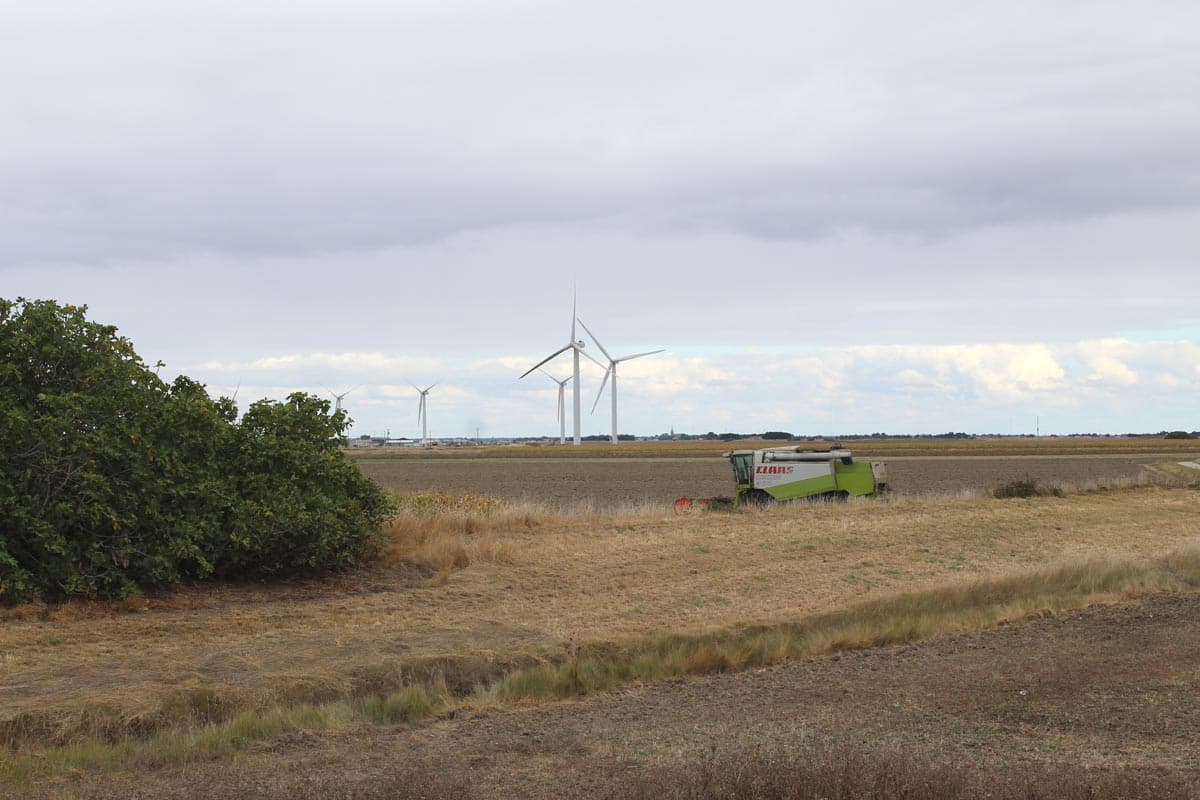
{"x":562,"y":408}
{"x":575,"y":345}
{"x":612,"y":370}
{"x":423,"y":413}
{"x":338,"y":397}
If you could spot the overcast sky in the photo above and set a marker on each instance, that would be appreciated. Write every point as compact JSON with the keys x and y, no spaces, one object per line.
{"x":864,"y":216}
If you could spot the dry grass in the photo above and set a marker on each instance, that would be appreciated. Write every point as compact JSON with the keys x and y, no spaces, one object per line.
{"x":202,"y":724}
{"x":555,"y":603}
{"x":901,"y":619}
{"x":440,"y":532}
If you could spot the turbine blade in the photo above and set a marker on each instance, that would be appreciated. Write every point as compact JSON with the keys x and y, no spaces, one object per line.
{"x":639,"y":355}
{"x":597,"y":341}
{"x":593,"y":359}
{"x":600,"y":393}
{"x":561,"y":383}
{"x":549,"y":358}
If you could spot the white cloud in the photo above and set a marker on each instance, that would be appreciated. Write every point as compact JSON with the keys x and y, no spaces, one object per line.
{"x":897,"y":388}
{"x":332,"y":365}
{"x":150,"y":130}
{"x":1104,"y":359}
{"x":1007,"y":371}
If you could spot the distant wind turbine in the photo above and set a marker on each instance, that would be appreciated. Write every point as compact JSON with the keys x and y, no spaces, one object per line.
{"x":423,"y":412}
{"x":612,"y":371}
{"x":562,"y":408}
{"x":338,"y":397}
{"x":576,"y":346}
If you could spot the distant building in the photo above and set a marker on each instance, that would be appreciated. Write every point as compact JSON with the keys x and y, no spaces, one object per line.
{"x":381,"y":441}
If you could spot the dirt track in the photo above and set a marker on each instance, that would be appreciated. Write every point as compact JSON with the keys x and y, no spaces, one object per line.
{"x":612,"y":482}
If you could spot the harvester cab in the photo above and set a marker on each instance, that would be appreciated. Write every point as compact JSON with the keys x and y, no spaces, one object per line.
{"x":793,"y":473}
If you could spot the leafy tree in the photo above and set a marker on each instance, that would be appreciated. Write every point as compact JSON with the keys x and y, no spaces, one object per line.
{"x":301,"y":504}
{"x":113,"y":480}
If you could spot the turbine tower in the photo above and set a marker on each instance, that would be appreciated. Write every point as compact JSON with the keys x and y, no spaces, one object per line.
{"x":576,"y":346}
{"x":423,"y":412}
{"x":562,"y":406}
{"x":612,"y":371}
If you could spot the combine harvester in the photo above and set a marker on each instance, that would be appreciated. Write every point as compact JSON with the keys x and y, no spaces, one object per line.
{"x":781,"y":474}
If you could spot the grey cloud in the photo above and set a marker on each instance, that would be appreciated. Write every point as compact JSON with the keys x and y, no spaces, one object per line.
{"x":427,"y":180}
{"x":153,"y":131}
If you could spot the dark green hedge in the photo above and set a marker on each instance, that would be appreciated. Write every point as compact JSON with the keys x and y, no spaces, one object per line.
{"x":112,"y":480}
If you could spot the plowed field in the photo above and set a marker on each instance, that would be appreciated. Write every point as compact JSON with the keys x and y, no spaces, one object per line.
{"x":636,"y":481}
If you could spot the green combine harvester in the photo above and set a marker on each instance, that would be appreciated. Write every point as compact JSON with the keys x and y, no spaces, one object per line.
{"x":779,"y":474}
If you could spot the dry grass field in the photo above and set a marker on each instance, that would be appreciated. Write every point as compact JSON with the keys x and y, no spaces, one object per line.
{"x":478,"y":603}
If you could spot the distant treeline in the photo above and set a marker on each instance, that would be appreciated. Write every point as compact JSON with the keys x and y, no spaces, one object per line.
{"x":785,"y":436}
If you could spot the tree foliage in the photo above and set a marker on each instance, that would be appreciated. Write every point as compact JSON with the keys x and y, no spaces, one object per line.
{"x":113,"y":480}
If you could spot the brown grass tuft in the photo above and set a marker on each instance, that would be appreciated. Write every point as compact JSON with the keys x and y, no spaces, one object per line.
{"x":442,"y":532}
{"x":706,"y":660}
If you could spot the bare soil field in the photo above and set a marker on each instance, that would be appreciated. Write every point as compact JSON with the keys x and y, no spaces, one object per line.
{"x":1108,"y":689}
{"x":612,"y":482}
